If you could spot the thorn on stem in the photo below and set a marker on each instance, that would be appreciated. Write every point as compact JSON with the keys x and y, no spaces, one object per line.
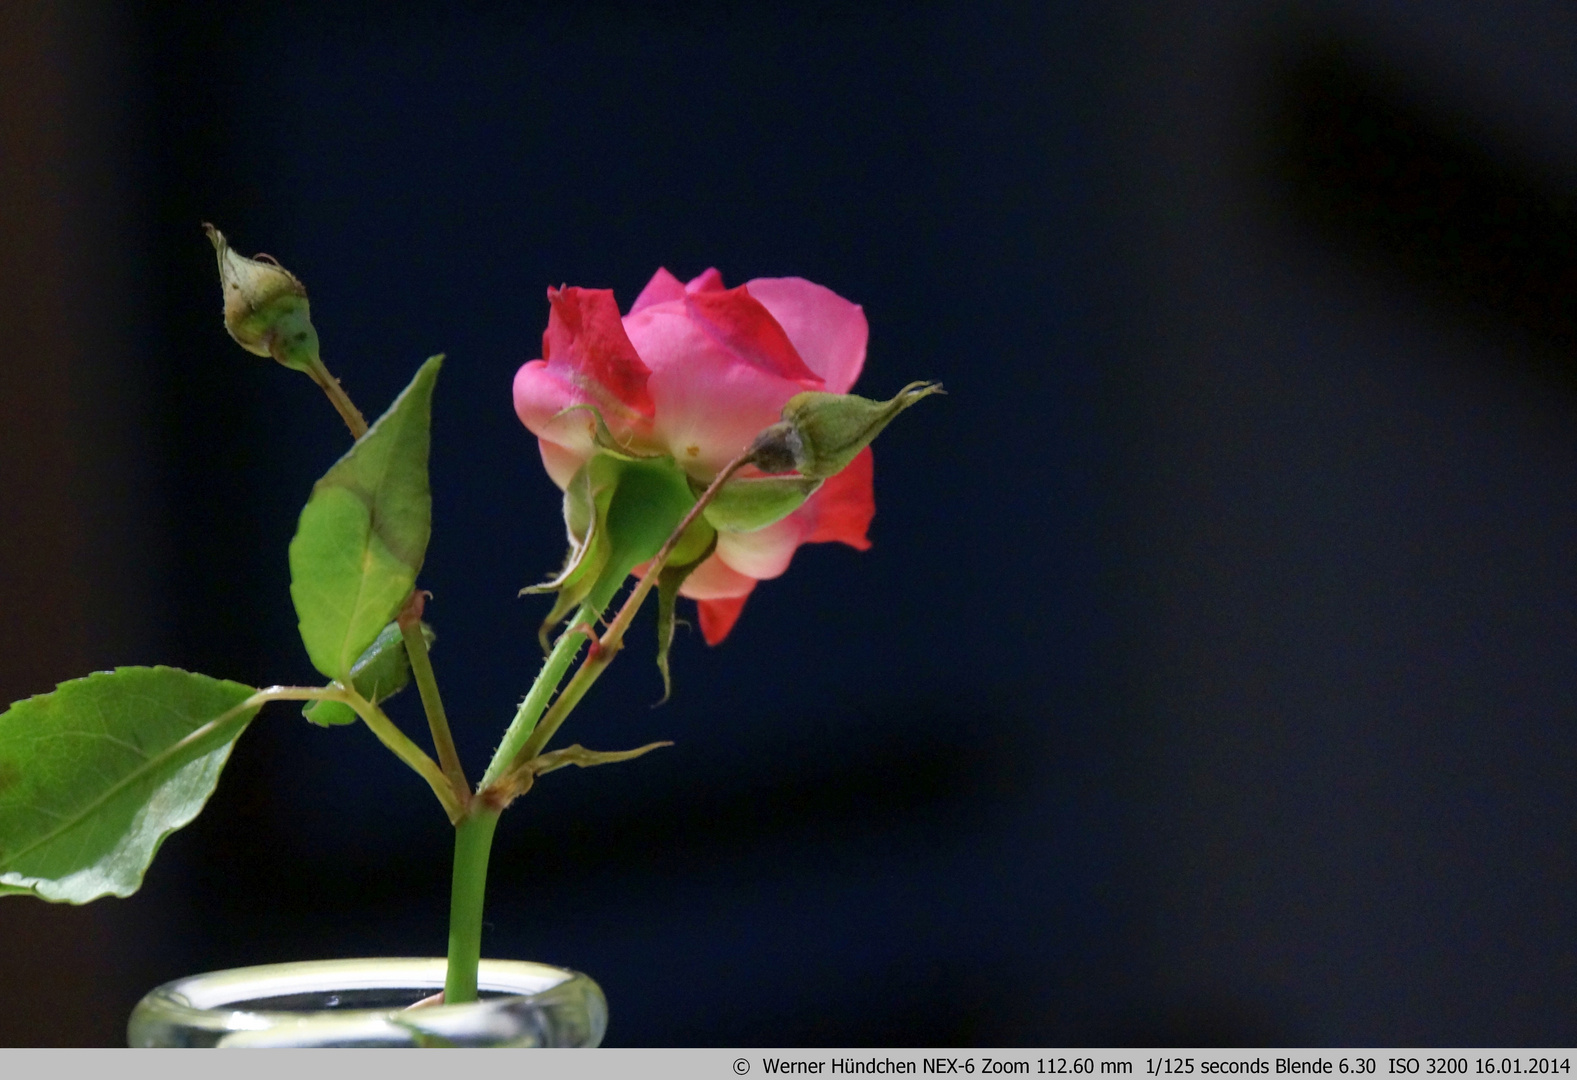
{"x":594,"y":643}
{"x":411,"y":613}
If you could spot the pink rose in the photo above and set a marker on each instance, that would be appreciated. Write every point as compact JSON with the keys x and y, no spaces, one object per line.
{"x":696,"y":371}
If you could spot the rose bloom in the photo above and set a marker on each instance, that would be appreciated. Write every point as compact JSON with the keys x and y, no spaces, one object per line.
{"x":696,"y":371}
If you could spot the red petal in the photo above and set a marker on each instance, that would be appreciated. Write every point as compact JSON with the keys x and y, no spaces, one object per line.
{"x":586,"y":342}
{"x":844,"y":505}
{"x":739,"y":322}
{"x":719,"y":616}
{"x":662,"y":288}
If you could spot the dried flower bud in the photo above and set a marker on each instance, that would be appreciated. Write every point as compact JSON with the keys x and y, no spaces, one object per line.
{"x":821,"y":433}
{"x":266,"y":307}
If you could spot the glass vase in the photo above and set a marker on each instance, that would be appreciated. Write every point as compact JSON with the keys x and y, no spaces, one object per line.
{"x":369,"y":1003}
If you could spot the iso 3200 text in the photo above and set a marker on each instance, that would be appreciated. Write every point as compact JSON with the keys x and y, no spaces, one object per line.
{"x":1478,"y":1066}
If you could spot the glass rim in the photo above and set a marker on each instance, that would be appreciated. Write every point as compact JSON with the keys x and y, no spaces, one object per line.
{"x":205,"y":1002}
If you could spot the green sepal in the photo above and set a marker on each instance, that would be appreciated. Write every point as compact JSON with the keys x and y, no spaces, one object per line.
{"x":820,"y":433}
{"x":363,"y":533}
{"x":669,"y":580}
{"x":603,"y":436}
{"x":585,"y":759}
{"x":618,"y":512}
{"x":652,"y":497}
{"x":747,"y":503}
{"x":383,"y":671}
{"x":95,"y":775}
{"x":586,"y":499}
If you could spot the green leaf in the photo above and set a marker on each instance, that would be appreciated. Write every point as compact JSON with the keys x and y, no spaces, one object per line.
{"x":383,"y":671}
{"x":329,"y":713}
{"x":363,"y":533}
{"x":95,"y":775}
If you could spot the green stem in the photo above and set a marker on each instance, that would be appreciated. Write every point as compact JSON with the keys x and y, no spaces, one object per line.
{"x":337,"y":396}
{"x":473,"y":842}
{"x":294,"y":693}
{"x":407,"y":751}
{"x":553,"y":669}
{"x":432,"y":704}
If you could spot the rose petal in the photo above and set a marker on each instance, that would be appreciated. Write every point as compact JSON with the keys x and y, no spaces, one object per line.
{"x":842,"y":508}
{"x":715,"y":580}
{"x":708,"y":280}
{"x":719,"y":616}
{"x":764,"y":553}
{"x":746,"y":328}
{"x":828,"y":331}
{"x":711,"y":402}
{"x":660,"y":290}
{"x":541,"y":395}
{"x":585,"y":344}
{"x":561,"y":464}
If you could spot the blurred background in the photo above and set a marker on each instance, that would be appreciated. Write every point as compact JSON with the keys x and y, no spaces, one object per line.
{"x":1211,"y":679}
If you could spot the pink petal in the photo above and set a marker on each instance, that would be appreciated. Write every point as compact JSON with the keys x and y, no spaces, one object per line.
{"x":662,"y":288}
{"x":765,"y":553}
{"x":718,"y":617}
{"x":585,"y":343}
{"x":747,"y":329}
{"x":714,"y":580}
{"x":708,"y":280}
{"x":842,"y":508}
{"x":541,"y":394}
{"x":711,"y":402}
{"x":561,"y":464}
{"x":828,"y":331}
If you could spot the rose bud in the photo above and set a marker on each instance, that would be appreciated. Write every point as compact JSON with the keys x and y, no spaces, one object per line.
{"x":266,"y":307}
{"x":821,"y":433}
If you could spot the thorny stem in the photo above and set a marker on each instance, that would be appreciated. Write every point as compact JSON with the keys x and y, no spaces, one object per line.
{"x":508,"y":772}
{"x":607,"y":647}
{"x":541,"y":692}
